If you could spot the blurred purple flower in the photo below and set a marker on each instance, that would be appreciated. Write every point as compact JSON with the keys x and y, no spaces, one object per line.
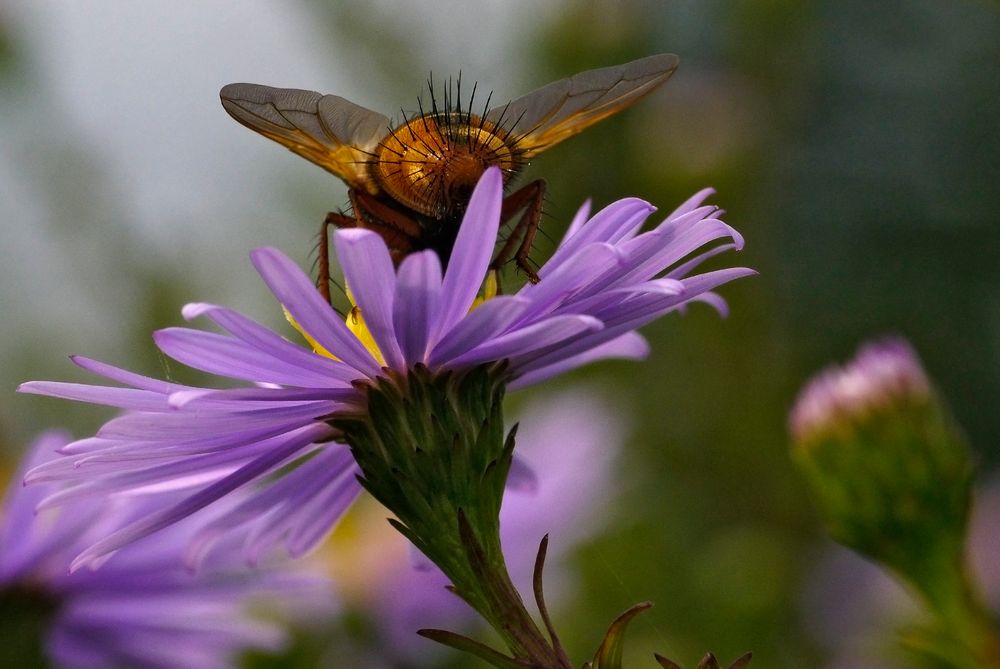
{"x":571,"y":441}
{"x":143,"y":608}
{"x":603,"y":281}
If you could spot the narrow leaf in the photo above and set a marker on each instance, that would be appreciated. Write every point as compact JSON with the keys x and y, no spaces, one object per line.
{"x":664,"y":662}
{"x":467,"y":645}
{"x":540,"y":601}
{"x":708,"y":662}
{"x":609,"y":655}
{"x":742,"y":662}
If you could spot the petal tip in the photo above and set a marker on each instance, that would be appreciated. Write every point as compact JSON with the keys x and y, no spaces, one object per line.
{"x":267,"y":255}
{"x":193,"y":310}
{"x":353,"y":235}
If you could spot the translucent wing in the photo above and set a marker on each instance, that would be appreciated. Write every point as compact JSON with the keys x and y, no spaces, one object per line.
{"x":563,"y":108}
{"x":328,"y":130}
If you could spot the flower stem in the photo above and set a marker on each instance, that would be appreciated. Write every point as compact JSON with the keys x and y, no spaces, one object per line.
{"x":432,"y":450}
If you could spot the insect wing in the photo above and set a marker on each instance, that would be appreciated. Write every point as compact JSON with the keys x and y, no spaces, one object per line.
{"x":328,"y":130}
{"x":563,"y":108}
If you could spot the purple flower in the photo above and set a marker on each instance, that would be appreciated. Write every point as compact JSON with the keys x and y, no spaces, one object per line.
{"x":143,"y":608}
{"x":576,"y":430}
{"x":604,"y":280}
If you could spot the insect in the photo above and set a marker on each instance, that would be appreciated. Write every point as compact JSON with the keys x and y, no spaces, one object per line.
{"x":411,"y":182}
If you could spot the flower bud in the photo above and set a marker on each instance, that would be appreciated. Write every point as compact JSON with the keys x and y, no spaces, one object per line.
{"x":888,"y":466}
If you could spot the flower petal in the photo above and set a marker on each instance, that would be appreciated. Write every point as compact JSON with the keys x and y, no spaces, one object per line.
{"x":371,"y":278}
{"x":124,"y":376}
{"x":258,"y":336}
{"x":473,"y":250}
{"x":182,"y":424}
{"x":609,"y":225}
{"x":297,"y":294}
{"x":418,"y":294}
{"x":548,"y":332}
{"x":123,"y":398}
{"x":487,"y":321}
{"x":226,"y":356}
{"x":629,"y":346}
{"x":288,"y":446}
{"x":579,"y":269}
{"x":582,"y":216}
{"x":691,"y":203}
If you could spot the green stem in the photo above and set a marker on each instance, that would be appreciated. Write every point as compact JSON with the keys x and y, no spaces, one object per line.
{"x":965,"y":620}
{"x":432,"y":449}
{"x":973,"y":624}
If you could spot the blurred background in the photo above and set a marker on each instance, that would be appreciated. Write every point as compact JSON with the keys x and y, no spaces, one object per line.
{"x":854,"y":144}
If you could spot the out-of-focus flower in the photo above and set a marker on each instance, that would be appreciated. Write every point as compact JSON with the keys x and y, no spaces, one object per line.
{"x":604,"y":280}
{"x":892,"y":476}
{"x":890,"y":470}
{"x":570,"y":442}
{"x":143,"y":608}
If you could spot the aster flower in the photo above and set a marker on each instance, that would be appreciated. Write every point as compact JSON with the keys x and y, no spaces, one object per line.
{"x":604,"y":280}
{"x":420,"y":406}
{"x":144,"y":608}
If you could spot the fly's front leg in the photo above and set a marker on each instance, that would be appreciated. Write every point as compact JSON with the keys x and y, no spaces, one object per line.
{"x":522,"y":236}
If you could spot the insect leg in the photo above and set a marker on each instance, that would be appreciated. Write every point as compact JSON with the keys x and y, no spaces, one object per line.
{"x":323,"y":278}
{"x":522,"y":236}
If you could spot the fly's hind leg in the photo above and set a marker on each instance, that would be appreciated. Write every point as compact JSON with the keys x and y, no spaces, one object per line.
{"x":398,"y":231}
{"x":518,"y":244}
{"x":337,"y":220}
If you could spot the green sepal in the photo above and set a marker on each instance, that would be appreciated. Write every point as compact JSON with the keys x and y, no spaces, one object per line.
{"x":432,"y":446}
